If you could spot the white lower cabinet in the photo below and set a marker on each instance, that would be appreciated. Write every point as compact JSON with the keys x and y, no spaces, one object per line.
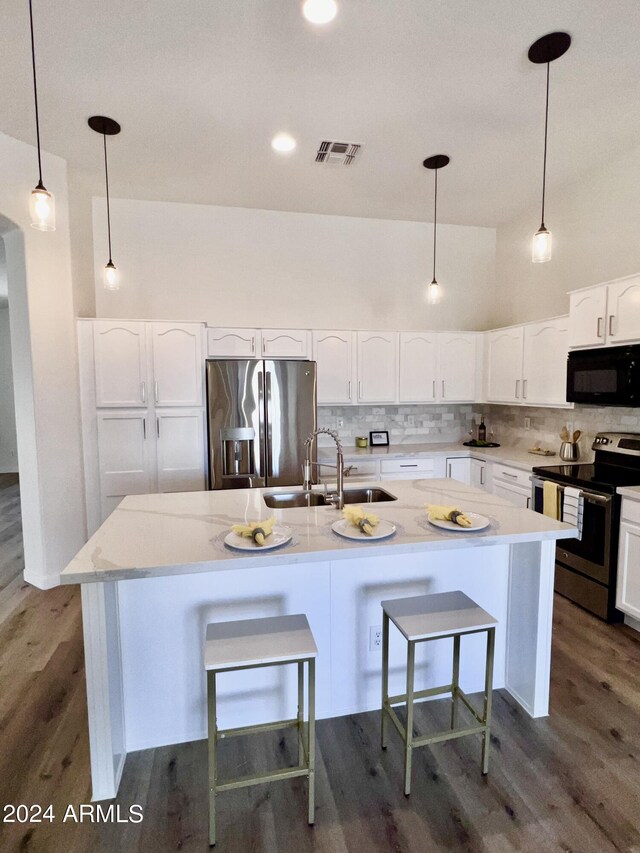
{"x":125,"y":457}
{"x":180,"y":450}
{"x":480,"y":474}
{"x":359,"y":470}
{"x":514,"y":494}
{"x":512,"y":484}
{"x":628,"y":589}
{"x":412,"y":468}
{"x":459,"y":468}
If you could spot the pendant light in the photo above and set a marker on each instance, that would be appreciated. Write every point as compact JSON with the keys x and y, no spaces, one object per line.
{"x":42,"y":205}
{"x":107,"y":127}
{"x":438,"y":161}
{"x":544,"y":51}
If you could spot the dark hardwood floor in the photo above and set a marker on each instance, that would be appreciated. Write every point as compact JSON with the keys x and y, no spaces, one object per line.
{"x":570,"y":782}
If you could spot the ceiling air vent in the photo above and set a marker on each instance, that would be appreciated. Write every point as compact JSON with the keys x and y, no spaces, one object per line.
{"x":337,"y":153}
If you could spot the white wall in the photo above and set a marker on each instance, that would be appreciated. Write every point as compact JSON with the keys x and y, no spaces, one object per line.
{"x":8,"y":443}
{"x":595,"y":224}
{"x":3,"y":278}
{"x":45,"y":365}
{"x":236,"y":266}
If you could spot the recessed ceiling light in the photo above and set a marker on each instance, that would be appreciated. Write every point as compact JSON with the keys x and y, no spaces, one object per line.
{"x":283,"y":143}
{"x":320,"y":11}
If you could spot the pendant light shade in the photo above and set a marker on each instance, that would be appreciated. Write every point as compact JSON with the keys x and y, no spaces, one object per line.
{"x":42,"y":205}
{"x":107,"y":127}
{"x":438,"y":161}
{"x":544,"y":51}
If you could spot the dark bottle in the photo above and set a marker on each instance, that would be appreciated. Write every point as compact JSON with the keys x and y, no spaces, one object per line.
{"x":482,"y":430}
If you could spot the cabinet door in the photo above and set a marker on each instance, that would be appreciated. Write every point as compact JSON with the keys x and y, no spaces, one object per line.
{"x":233,"y":343}
{"x":120,"y":363}
{"x":505,"y":365}
{"x":334,"y":353}
{"x":377,"y":367}
{"x":180,"y":450}
{"x":125,"y":452}
{"x":178,"y":365}
{"x":418,"y":367}
{"x":458,"y":365}
{"x":628,"y":589}
{"x":623,"y":304}
{"x":479,"y":474}
{"x":286,"y":343}
{"x":513,"y":494}
{"x":587,"y":315}
{"x":459,"y":469}
{"x":546,"y":346}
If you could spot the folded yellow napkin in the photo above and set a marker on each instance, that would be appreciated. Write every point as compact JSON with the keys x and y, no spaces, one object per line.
{"x":256,"y":530}
{"x":448,"y":513}
{"x":364,"y":521}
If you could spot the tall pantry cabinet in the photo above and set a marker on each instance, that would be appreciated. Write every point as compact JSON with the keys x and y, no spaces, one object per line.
{"x":142,"y":397}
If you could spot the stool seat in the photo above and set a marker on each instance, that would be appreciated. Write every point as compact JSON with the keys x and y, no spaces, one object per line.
{"x":424,"y":617}
{"x":256,"y":642}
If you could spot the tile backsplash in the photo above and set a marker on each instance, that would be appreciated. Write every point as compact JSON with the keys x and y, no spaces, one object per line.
{"x":505,"y":424}
{"x":406,"y":424}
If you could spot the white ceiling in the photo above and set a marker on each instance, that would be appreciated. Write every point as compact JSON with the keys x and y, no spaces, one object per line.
{"x":200,"y":87}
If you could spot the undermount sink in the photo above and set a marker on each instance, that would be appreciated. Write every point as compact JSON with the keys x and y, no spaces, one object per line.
{"x":287,"y":500}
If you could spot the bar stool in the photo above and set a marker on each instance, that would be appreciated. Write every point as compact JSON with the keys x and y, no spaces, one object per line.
{"x":249,"y":644}
{"x":434,"y":617}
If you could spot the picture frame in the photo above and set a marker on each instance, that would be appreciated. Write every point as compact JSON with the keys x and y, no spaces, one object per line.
{"x":379,"y":438}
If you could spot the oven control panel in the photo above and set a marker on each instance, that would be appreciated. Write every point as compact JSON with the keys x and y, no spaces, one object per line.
{"x":618,"y":442}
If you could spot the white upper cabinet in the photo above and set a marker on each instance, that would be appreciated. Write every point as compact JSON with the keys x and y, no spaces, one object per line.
{"x":418,"y":367}
{"x":180,"y":450}
{"x":505,"y":365}
{"x":334,"y":353}
{"x":587,"y":317}
{"x":458,"y":366}
{"x":120,"y":363}
{"x":377,"y":367}
{"x":286,"y":343}
{"x":623,"y":303}
{"x":178,"y":364}
{"x":544,"y":373}
{"x":233,"y":343}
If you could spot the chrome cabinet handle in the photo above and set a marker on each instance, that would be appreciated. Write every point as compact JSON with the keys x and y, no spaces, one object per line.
{"x":434,"y":389}
{"x":253,"y":344}
{"x":158,"y":427}
{"x":529,"y":502}
{"x":443,"y":394}
{"x":144,"y":428}
{"x":517,"y":389}
{"x":155,"y":390}
{"x":524,"y":389}
{"x":482,"y":475}
{"x":359,"y":389}
{"x":449,"y":469}
{"x":506,"y":474}
{"x":349,"y":384}
{"x":265,"y":344}
{"x":598,"y":331}
{"x":412,"y":465}
{"x":143,"y":391}
{"x":611,"y":316}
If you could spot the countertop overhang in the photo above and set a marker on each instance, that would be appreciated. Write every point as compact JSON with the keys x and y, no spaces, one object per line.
{"x":183,"y":533}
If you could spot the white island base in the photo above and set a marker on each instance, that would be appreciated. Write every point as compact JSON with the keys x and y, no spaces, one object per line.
{"x":145,"y":621}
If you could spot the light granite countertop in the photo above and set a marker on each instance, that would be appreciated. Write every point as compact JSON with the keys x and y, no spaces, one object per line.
{"x":516,"y":457}
{"x":632,"y":492}
{"x":183,"y":533}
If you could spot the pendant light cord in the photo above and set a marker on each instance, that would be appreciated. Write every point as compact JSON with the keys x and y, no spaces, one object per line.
{"x":544,"y":165}
{"x":35,"y":95}
{"x":435,"y":220}
{"x":106,"y":180}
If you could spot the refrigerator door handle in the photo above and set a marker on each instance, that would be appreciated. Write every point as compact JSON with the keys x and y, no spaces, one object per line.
{"x":269,"y":428}
{"x":261,"y":427}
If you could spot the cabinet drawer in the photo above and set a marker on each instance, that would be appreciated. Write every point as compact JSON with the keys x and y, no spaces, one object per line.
{"x":406,"y":466}
{"x":512,"y":475}
{"x":363,"y":470}
{"x":631,"y":510}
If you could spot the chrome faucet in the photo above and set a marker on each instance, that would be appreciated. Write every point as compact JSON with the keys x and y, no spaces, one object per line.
{"x":338,"y":499}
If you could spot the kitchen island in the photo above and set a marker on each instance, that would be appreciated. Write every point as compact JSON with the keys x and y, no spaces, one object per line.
{"x":158,"y":571}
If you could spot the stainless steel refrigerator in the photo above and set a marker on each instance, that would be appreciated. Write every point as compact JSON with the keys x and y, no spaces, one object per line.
{"x":259,"y":414}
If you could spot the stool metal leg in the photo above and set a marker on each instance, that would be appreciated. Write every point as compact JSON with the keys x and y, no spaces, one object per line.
{"x":301,"y":733}
{"x":455,"y":681}
{"x":408,"y":747}
{"x":311,"y":743}
{"x":385,"y":679}
{"x":488,"y":698}
{"x":212,"y":742}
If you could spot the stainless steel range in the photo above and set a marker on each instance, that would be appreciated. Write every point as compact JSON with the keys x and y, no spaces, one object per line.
{"x":586,"y":568}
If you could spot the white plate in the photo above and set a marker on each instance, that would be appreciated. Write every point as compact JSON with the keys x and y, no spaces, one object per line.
{"x":478,"y":522}
{"x":344,"y":528}
{"x":279,"y":536}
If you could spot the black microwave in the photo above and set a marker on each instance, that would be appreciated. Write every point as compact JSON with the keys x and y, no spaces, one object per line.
{"x":604,"y":377}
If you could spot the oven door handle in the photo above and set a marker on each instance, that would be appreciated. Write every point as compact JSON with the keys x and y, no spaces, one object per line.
{"x":589,"y":497}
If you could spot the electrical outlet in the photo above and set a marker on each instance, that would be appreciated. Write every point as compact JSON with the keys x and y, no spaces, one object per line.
{"x":340,"y":423}
{"x":527,"y":423}
{"x":375,"y":637}
{"x":411,"y":420}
